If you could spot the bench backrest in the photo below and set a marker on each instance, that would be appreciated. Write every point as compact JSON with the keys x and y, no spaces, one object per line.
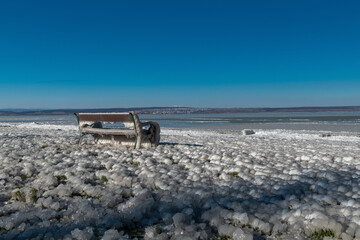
{"x":104,"y":117}
{"x":130,"y":120}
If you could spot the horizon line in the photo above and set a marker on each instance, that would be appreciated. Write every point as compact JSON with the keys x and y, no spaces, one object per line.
{"x":162,"y":107}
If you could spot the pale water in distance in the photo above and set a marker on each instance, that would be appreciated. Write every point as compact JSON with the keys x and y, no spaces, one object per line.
{"x":212,"y":120}
{"x":203,"y":120}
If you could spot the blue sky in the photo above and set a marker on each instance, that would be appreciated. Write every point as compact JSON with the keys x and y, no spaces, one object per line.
{"x":80,"y":54}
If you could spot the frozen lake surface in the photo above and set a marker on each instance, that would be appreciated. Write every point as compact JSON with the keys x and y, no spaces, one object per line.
{"x":339,"y":120}
{"x":198,"y":184}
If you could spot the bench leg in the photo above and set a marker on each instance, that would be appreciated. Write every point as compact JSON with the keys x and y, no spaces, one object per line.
{"x":137,"y":142}
{"x":154,"y":134}
{"x":80,"y":139}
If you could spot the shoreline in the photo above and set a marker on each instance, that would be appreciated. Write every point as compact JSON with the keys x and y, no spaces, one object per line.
{"x":319,"y":127}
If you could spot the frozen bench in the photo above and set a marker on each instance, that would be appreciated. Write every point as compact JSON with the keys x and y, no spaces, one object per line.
{"x":132,"y":132}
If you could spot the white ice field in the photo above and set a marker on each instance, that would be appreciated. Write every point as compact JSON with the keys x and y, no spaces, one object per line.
{"x":274,"y":184}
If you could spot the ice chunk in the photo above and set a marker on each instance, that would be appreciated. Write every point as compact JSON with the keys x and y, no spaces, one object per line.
{"x":50,"y":181}
{"x":47,"y":202}
{"x":247,"y":132}
{"x":279,"y":227}
{"x":345,"y":236}
{"x":85,"y":234}
{"x":226,"y":230}
{"x":357,"y":233}
{"x":111,"y":234}
{"x":29,"y":169}
{"x":179,"y":219}
{"x":264,"y":227}
{"x":239,"y":234}
{"x":241,"y":218}
{"x":215,"y":157}
{"x":55,"y":206}
{"x":151,"y":232}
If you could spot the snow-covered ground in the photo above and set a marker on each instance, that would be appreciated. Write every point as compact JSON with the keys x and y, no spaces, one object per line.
{"x":275,"y":184}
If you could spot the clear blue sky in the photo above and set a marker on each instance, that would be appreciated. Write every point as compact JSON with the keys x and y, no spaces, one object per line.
{"x":79,"y":54}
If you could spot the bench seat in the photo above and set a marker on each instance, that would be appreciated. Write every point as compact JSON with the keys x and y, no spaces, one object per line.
{"x":109,"y":131}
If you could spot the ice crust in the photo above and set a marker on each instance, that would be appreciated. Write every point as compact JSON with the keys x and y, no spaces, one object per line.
{"x":273,"y":184}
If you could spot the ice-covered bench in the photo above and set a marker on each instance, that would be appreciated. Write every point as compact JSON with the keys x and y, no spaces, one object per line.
{"x":128,"y":132}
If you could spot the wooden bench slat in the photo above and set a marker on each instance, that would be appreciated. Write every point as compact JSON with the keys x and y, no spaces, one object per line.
{"x":109,"y":131}
{"x":105,"y":118}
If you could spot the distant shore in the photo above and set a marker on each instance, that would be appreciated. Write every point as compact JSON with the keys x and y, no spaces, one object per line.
{"x":179,"y":110}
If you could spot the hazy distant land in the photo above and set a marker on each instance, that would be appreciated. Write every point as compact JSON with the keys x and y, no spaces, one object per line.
{"x":179,"y":110}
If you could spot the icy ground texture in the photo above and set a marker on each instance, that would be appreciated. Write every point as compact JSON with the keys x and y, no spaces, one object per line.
{"x":195,"y":185}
